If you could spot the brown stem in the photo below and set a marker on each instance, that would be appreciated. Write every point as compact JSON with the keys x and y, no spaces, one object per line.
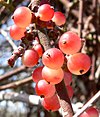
{"x":65,"y":103}
{"x":80,"y":22}
{"x":44,"y":40}
{"x":34,"y":5}
{"x":92,"y":75}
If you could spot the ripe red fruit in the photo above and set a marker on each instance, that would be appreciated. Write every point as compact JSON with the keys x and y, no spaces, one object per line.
{"x":22,"y":17}
{"x":44,"y":89}
{"x":67,"y":78}
{"x":39,"y":49}
{"x":52,"y":76}
{"x":45,"y":12}
{"x":90,"y":112}
{"x":30,"y":58}
{"x":17,"y":33}
{"x":59,"y":18}
{"x":51,"y":104}
{"x":70,"y":91}
{"x":53,"y":58}
{"x":69,"y":43}
{"x":37,"y":74}
{"x":79,"y":63}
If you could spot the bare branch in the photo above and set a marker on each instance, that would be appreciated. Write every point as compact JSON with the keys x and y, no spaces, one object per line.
{"x":16,"y":83}
{"x":13,"y":72}
{"x":4,"y":33}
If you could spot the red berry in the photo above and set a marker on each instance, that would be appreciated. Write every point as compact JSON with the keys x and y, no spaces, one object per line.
{"x":53,"y":58}
{"x":59,"y":18}
{"x":51,"y":104}
{"x":39,"y":49}
{"x":52,"y":76}
{"x":22,"y":17}
{"x":69,"y":43}
{"x":17,"y":33}
{"x":90,"y":112}
{"x":44,"y":89}
{"x":30,"y":58}
{"x":79,"y":63}
{"x":45,"y":12}
{"x":37,"y":74}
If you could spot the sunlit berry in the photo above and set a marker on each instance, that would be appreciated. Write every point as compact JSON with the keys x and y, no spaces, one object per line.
{"x":69,"y":43}
{"x":45,"y":12}
{"x":79,"y":63}
{"x":59,"y":18}
{"x":53,"y":58}
{"x":53,"y":76}
{"x":22,"y":17}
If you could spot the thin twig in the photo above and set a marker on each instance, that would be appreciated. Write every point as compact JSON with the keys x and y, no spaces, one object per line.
{"x":80,"y":22}
{"x":16,"y":83}
{"x":4,"y":33}
{"x":92,"y":100}
{"x":13,"y":72}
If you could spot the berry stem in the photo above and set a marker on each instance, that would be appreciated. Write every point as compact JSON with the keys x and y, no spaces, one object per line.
{"x":44,"y":40}
{"x":16,"y":54}
{"x":65,"y":103}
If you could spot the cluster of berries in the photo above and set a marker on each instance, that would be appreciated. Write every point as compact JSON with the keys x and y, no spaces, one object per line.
{"x":51,"y":73}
